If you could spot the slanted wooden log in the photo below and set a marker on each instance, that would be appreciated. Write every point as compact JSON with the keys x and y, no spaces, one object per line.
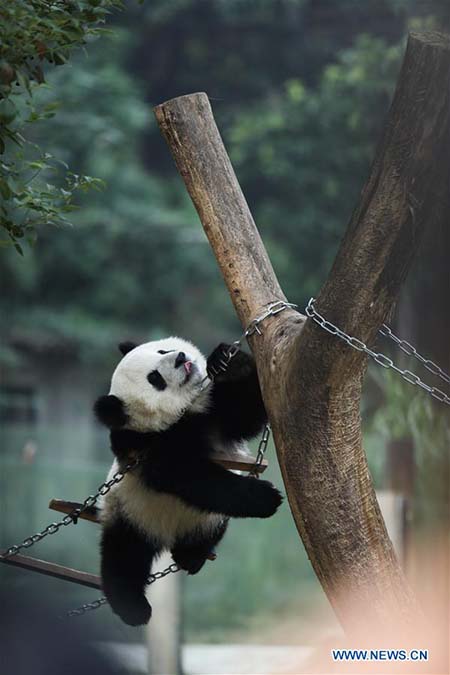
{"x":311,"y":381}
{"x":53,"y":570}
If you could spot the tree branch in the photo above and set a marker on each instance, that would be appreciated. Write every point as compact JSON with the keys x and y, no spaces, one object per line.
{"x":191,"y":132}
{"x":311,"y":381}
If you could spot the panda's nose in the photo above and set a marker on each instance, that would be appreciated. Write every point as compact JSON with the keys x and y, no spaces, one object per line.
{"x":181,"y":358}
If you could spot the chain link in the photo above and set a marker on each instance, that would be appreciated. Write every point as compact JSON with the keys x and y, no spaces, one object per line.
{"x":71,"y":517}
{"x":87,"y":607}
{"x":96,"y":604}
{"x":380,"y":358}
{"x":408,"y":348}
{"x":272,"y":309}
{"x":262,"y":447}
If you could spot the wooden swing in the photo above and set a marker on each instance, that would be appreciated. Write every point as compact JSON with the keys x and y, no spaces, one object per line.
{"x":233,"y":462}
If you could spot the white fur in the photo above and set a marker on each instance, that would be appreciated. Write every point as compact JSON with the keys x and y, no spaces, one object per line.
{"x":147,"y":408}
{"x":159,"y":515}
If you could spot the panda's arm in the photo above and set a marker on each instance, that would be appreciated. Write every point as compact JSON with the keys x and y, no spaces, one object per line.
{"x":237,"y":406}
{"x":211,"y":488}
{"x":127,"y":444}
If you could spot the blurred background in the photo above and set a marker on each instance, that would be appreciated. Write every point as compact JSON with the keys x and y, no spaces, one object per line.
{"x":300,"y":90}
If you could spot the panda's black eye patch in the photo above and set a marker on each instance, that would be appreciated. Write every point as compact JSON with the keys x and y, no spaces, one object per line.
{"x":156,"y":379}
{"x":162,"y":351}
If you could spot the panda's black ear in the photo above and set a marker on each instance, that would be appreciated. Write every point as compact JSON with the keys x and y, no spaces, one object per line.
{"x":126,"y":347}
{"x":109,"y":411}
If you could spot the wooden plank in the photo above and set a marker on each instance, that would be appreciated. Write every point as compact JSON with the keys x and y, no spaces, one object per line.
{"x":52,"y":570}
{"x":63,"y":506}
{"x":238,"y":462}
{"x":232,"y":461}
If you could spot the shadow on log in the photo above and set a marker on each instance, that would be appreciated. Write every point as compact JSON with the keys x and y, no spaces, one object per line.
{"x":311,"y":381}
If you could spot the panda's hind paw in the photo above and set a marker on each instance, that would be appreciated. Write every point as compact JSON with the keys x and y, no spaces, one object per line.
{"x":188,"y":561}
{"x":134,"y":612}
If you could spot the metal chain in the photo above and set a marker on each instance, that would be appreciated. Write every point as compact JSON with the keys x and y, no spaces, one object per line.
{"x":87,"y":607}
{"x":73,"y":516}
{"x":262,"y":447}
{"x":273,"y":309}
{"x":406,"y":347}
{"x":95,"y":604}
{"x":103,"y":489}
{"x":378,"y":357}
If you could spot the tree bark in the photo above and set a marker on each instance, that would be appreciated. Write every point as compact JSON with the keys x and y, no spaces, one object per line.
{"x":311,"y":381}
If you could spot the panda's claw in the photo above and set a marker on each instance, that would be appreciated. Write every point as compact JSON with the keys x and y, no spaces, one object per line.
{"x":133,"y":611}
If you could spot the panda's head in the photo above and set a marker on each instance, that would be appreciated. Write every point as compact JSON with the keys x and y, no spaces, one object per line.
{"x":154,"y":385}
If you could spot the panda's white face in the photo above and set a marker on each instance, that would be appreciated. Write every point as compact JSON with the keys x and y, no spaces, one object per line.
{"x":158,"y":381}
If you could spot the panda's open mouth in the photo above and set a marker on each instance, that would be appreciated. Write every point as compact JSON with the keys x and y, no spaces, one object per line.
{"x":188,"y":367}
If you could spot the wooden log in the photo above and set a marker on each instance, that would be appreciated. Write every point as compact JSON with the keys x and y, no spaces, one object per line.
{"x":52,"y":570}
{"x":311,"y":381}
{"x":62,"y":506}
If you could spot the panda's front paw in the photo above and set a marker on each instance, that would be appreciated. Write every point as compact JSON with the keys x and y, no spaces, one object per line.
{"x":265,"y":498}
{"x":133,"y":610}
{"x":219,"y":363}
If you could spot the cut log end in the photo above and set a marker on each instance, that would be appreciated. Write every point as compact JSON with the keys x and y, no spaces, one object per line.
{"x":432,"y":38}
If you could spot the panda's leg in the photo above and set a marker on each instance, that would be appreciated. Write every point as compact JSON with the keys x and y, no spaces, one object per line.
{"x":192,"y":551}
{"x":126,"y":559}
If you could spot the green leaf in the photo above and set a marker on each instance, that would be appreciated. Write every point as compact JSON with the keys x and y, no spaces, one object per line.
{"x":37,"y":164}
{"x":5,"y":190}
{"x":24,"y":80}
{"x":8,"y":111}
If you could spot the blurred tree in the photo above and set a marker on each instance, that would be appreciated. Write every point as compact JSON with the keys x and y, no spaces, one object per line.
{"x":116,"y":267}
{"x":33,"y":36}
{"x":312,"y":147}
{"x":301,"y":97}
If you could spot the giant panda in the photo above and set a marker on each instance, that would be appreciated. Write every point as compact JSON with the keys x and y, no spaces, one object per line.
{"x":163,"y":409}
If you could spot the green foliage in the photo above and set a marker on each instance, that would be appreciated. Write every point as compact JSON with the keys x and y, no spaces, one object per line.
{"x":313,"y":148}
{"x":36,"y":187}
{"x":136,"y":262}
{"x":408,"y":412}
{"x":300,"y":130}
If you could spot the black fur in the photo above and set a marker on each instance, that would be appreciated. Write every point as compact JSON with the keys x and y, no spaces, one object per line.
{"x":238,"y":410}
{"x":125,"y":567}
{"x":181,"y":358}
{"x":109,"y":411}
{"x":125,"y":347}
{"x":191,"y":552}
{"x":177,"y":461}
{"x":156,"y":379}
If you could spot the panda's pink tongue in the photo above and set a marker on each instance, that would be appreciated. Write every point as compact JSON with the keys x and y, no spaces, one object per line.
{"x":188,"y":366}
